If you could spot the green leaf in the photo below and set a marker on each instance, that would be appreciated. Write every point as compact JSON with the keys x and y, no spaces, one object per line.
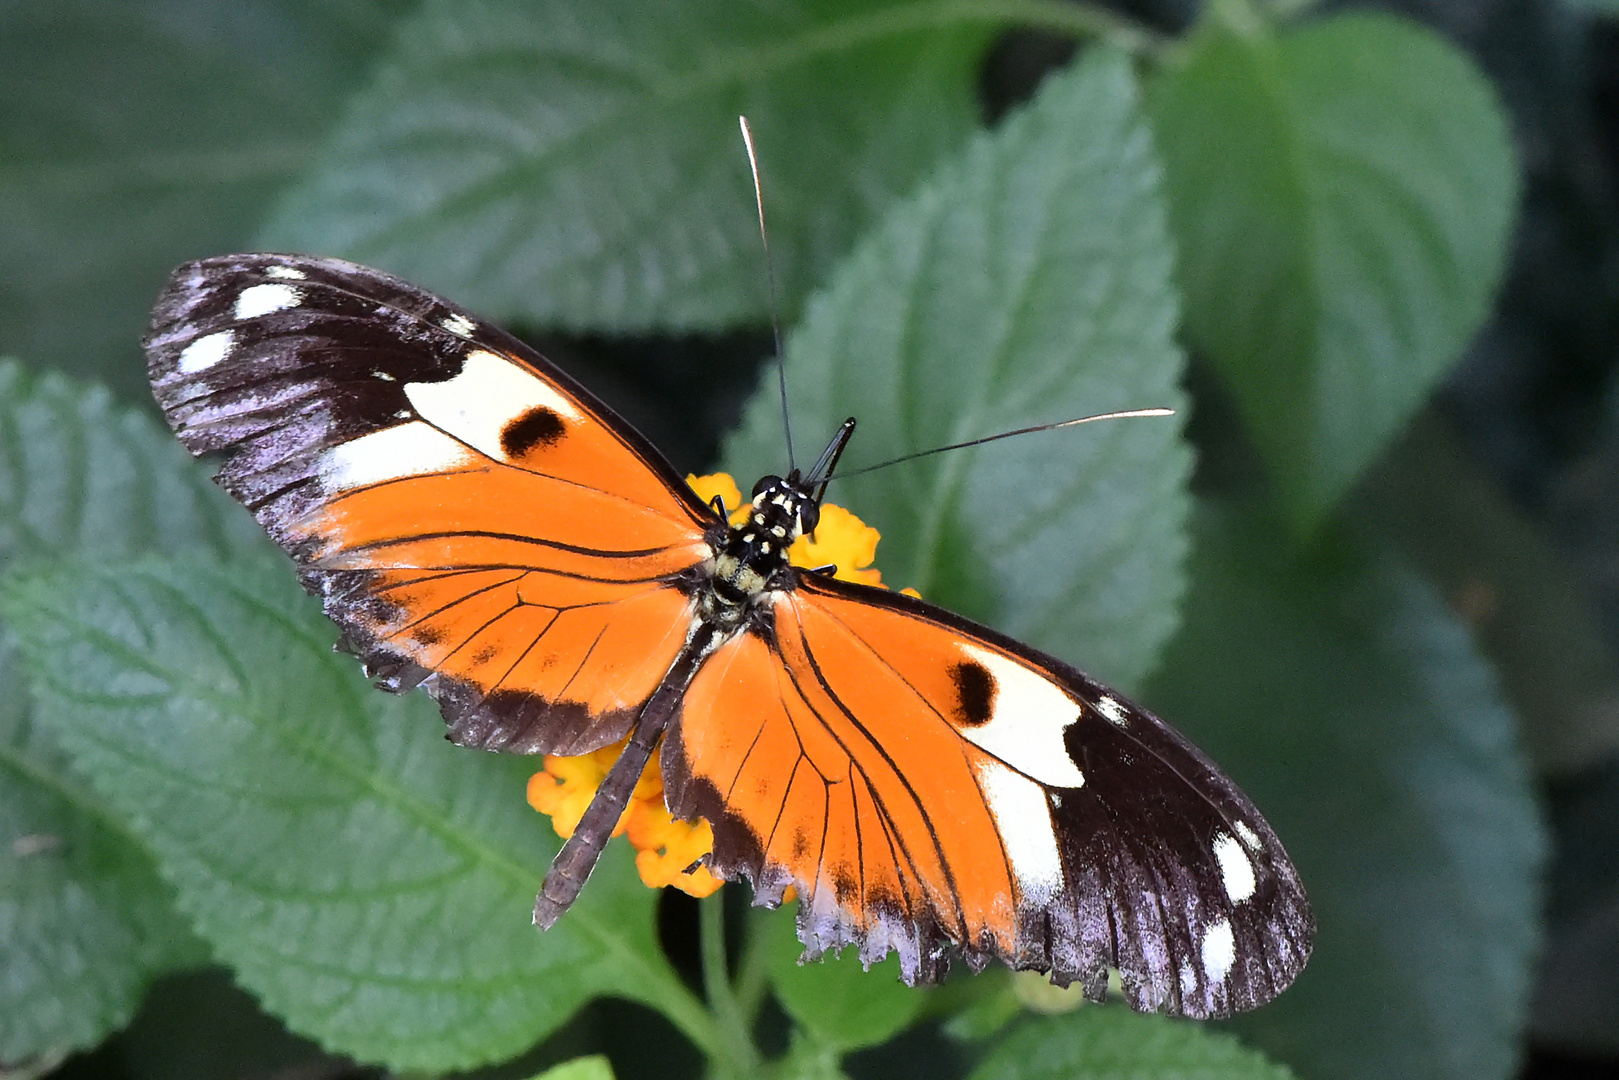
{"x":595,"y":1067}
{"x":842,"y":1005}
{"x":987,"y":1014}
{"x":133,"y":136}
{"x":1533,"y":614}
{"x":1103,"y":1043}
{"x":1028,"y":282}
{"x":369,"y":882}
{"x":808,"y":1058}
{"x":1342,"y":196}
{"x":579,"y":165}
{"x":1349,"y":702}
{"x":83,"y":476}
{"x":86,"y":921}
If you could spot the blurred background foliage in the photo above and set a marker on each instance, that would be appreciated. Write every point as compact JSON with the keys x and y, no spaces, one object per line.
{"x":1372,"y":246}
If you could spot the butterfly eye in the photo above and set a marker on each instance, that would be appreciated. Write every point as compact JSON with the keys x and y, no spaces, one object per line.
{"x":809,"y":516}
{"x":765,"y":482}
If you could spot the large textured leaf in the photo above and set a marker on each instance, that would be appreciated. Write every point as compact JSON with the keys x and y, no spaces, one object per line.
{"x":1535,"y":617}
{"x":368,"y":881}
{"x":85,"y":922}
{"x":133,"y":136}
{"x":1114,"y":1044}
{"x":81,"y":476}
{"x":1341,"y":196}
{"x":1352,"y":706}
{"x":579,"y":165}
{"x":1028,"y":282}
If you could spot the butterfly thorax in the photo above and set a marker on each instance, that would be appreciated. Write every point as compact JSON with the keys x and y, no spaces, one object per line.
{"x":752,"y":558}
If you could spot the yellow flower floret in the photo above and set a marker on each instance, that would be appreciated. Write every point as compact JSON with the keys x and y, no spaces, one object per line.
{"x":724,"y":486}
{"x":840,"y":540}
{"x":664,"y":847}
{"x":567,"y":785}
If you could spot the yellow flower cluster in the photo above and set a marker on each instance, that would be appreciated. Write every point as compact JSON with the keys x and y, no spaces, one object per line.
{"x":665,"y":848}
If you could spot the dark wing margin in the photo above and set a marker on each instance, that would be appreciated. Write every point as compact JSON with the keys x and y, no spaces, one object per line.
{"x":1111,"y":842}
{"x":459,"y":546}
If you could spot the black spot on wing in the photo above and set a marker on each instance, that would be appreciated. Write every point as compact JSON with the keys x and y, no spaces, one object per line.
{"x":538,"y":426}
{"x":846,"y":885}
{"x":1073,"y":741}
{"x":975,"y":693}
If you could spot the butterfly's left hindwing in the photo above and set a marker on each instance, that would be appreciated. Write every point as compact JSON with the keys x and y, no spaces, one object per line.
{"x":924,"y":781}
{"x":473,"y":519}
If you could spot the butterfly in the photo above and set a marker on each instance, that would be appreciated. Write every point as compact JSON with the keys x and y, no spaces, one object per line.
{"x":480,"y":526}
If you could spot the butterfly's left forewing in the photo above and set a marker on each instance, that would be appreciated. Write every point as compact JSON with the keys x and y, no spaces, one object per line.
{"x":473,"y":519}
{"x":923,"y":780}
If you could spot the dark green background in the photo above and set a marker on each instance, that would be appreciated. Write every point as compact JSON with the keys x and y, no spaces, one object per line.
{"x":1381,"y":588}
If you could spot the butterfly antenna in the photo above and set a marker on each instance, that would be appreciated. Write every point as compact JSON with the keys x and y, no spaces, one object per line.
{"x":821,"y":474}
{"x":770,"y":275}
{"x":1006,"y":435}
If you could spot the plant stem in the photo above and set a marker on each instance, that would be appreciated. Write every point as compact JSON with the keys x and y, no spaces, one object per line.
{"x":740,"y":1056}
{"x":751,"y":975}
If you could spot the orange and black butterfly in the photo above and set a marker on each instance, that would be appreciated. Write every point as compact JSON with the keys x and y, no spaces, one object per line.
{"x":483,"y":527}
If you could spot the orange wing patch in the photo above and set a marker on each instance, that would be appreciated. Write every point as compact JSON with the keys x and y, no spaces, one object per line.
{"x":861,"y":796}
{"x":606,"y":653}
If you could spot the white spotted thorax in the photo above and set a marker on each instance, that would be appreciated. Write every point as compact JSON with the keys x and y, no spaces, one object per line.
{"x":753,"y":557}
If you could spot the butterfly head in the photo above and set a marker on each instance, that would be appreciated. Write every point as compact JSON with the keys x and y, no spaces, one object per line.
{"x":753,"y":558}
{"x":786,"y":502}
{"x":751,"y":561}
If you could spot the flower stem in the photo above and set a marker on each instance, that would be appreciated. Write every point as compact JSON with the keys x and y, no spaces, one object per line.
{"x":740,"y":1055}
{"x":751,"y":976}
